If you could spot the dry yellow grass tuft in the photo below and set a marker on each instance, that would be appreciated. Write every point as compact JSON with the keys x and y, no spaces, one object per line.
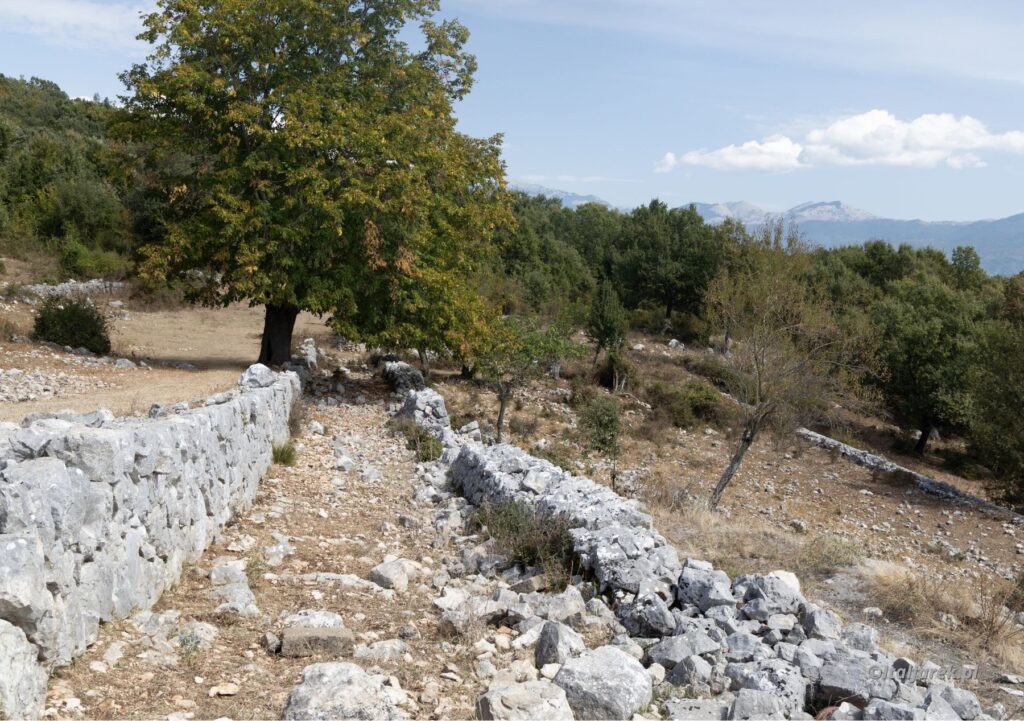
{"x":977,"y":616}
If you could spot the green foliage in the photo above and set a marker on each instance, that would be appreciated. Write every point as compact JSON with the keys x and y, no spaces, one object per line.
{"x":515,"y":351}
{"x":997,"y":423}
{"x":80,"y":261}
{"x":617,"y":372}
{"x":607,"y":323}
{"x":685,"y":405}
{"x":599,"y":421}
{"x":74,"y":322}
{"x":926,"y":342}
{"x":532,"y":538}
{"x":669,"y":257}
{"x":327,"y":173}
{"x":59,"y":178}
{"x":417,"y":439}
{"x":542,"y":258}
{"x":283,"y":454}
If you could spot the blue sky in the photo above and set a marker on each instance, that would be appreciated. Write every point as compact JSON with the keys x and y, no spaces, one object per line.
{"x":908,"y":110}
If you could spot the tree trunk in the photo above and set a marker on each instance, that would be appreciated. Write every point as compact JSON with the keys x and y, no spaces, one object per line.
{"x":749,"y":434}
{"x":926,"y":433}
{"x":467,"y":372}
{"x":278,"y":324}
{"x":502,"y":402}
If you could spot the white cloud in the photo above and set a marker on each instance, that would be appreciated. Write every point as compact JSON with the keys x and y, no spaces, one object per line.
{"x":775,"y":153}
{"x":667,"y":162}
{"x":876,"y":137}
{"x":75,"y":23}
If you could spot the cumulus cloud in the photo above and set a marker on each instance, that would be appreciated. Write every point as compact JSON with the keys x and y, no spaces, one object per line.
{"x":75,"y":23}
{"x":876,"y":137}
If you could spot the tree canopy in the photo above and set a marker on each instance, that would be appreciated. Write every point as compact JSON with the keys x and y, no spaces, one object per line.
{"x":324,"y":169}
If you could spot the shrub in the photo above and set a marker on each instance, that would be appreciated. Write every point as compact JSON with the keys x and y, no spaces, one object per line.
{"x":284,"y":454}
{"x":524,"y":427}
{"x":74,"y":322}
{"x":599,"y":421}
{"x":417,"y":439}
{"x":617,"y":372}
{"x":77,"y":260}
{"x":684,"y":406}
{"x":715,"y":370}
{"x":532,"y":538}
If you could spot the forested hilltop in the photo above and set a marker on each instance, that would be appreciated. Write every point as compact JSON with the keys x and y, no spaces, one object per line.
{"x":933,"y":342}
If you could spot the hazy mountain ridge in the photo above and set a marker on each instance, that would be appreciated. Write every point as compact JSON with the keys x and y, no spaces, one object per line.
{"x":569,"y":200}
{"x":1000,"y":242}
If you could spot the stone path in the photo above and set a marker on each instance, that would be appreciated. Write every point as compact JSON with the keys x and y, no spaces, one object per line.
{"x":309,"y":543}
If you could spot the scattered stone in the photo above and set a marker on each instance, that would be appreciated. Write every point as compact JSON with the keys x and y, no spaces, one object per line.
{"x":311,"y":632}
{"x":557,"y":643}
{"x":340,"y":691}
{"x":391,"y":574}
{"x":605,"y":683}
{"x":524,"y":701}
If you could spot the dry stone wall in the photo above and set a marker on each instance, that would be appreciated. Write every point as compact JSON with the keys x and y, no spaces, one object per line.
{"x":719,"y":647}
{"x":99,"y":515}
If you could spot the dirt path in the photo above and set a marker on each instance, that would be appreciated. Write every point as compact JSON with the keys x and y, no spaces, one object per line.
{"x":339,"y":525}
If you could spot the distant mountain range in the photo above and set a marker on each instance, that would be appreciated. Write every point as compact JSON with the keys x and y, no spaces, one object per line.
{"x":569,"y":200}
{"x":1000,"y":243}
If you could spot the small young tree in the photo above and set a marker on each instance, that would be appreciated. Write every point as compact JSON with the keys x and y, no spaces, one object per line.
{"x":599,"y":421}
{"x":515,"y":351}
{"x":785,"y":346}
{"x":606,"y":325}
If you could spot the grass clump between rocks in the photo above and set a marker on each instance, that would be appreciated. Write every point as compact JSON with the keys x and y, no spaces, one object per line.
{"x":73,"y":322}
{"x":417,"y":439}
{"x":284,"y":454}
{"x":532,"y":538}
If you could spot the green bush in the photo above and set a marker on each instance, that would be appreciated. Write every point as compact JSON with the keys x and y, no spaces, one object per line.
{"x":531,"y":538}
{"x":617,"y":372}
{"x":76,"y":260}
{"x":685,"y":405}
{"x":74,"y":322}
{"x":599,"y":421}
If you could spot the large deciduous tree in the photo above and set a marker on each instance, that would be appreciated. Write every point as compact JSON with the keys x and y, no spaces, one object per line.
{"x":324,"y":169}
{"x":669,"y":257}
{"x":927,"y":336}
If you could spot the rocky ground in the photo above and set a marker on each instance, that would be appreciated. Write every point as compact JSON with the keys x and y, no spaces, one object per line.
{"x":339,"y":558}
{"x":359,"y":554}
